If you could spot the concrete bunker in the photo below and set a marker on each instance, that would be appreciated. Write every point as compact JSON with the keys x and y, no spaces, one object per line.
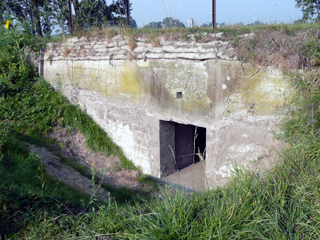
{"x":179,"y":146}
{"x":182,"y":81}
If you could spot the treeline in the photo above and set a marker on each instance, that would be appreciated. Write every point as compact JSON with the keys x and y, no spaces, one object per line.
{"x":167,"y":22}
{"x":41,"y":17}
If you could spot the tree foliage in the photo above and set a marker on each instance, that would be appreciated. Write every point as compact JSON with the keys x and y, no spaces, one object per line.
{"x":89,"y":13}
{"x":39,"y":14}
{"x":168,"y":22}
{"x":153,"y":25}
{"x":15,"y":68}
{"x":44,"y":15}
{"x":133,"y":23}
{"x":310,"y":9}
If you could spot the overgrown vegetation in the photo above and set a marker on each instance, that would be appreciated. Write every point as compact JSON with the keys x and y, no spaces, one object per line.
{"x":230,"y":31}
{"x":280,"y":45}
{"x":30,"y":108}
{"x":42,"y":17}
{"x":283,"y":204}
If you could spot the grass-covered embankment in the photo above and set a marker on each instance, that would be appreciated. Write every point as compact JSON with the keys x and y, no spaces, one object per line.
{"x":283,"y":204}
{"x":29,"y":109}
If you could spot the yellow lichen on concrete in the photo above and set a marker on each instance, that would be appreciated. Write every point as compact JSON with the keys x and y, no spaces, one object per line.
{"x":129,"y":82}
{"x":86,"y":78}
{"x":194,"y":105}
{"x":259,"y":91}
{"x":110,"y":80}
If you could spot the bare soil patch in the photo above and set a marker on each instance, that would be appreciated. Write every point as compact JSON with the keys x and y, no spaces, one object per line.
{"x":71,"y":146}
{"x":67,"y":175}
{"x":109,"y":167}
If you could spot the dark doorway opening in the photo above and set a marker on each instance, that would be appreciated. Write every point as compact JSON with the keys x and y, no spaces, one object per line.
{"x":180,"y":146}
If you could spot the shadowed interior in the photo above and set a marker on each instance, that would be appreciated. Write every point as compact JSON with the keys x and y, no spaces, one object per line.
{"x":180,"y":145}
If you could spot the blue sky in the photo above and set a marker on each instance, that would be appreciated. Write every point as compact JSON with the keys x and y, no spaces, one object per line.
{"x":228,"y":11}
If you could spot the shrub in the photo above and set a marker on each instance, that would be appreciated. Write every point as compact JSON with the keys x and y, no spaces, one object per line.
{"x":15,"y":69}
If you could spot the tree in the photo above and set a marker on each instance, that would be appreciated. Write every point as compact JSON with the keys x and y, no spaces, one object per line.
{"x":89,"y":13}
{"x":3,"y":5}
{"x":310,"y":9}
{"x":300,"y":21}
{"x":43,"y":15}
{"x":208,"y":24}
{"x":169,"y":22}
{"x":92,"y":13}
{"x":153,"y":25}
{"x":257,"y":23}
{"x":38,"y":14}
{"x":133,"y":23}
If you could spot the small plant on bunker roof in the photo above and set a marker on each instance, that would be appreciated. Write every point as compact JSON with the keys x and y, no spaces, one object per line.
{"x":131,"y":42}
{"x":50,"y":58}
{"x":155,"y":41}
{"x":110,"y":59}
{"x":130,"y":38}
{"x":66,"y":52}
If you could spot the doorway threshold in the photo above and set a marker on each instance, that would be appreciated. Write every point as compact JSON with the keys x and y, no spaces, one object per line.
{"x":192,"y":177}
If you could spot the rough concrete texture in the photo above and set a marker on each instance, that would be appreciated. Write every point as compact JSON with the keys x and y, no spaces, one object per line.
{"x":127,"y":92}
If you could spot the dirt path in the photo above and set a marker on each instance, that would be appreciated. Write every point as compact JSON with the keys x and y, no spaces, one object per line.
{"x":68,"y":175}
{"x":72,"y":147}
{"x":107,"y":167}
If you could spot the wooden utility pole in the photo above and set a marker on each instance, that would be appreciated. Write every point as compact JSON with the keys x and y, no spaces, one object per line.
{"x":214,"y":15}
{"x":71,"y":16}
{"x":128,"y":13}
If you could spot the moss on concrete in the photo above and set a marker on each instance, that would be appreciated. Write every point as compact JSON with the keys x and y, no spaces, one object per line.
{"x":130,"y":82}
{"x":259,"y":92}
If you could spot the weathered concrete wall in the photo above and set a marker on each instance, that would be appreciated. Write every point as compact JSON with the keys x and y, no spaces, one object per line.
{"x":127,"y":91}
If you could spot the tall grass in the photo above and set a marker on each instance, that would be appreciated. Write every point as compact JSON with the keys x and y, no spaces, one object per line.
{"x":284,"y":203}
{"x":25,"y":189}
{"x":29,"y":109}
{"x":200,"y":33}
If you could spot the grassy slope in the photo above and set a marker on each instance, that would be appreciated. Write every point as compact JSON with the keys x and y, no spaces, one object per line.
{"x":285,"y":204}
{"x":29,"y":109}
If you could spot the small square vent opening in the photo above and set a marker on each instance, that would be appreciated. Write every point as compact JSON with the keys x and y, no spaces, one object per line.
{"x":179,"y":95}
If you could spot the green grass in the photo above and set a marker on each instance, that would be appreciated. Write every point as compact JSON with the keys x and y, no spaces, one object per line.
{"x":284,"y":203}
{"x":39,"y":109}
{"x":25,"y":188}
